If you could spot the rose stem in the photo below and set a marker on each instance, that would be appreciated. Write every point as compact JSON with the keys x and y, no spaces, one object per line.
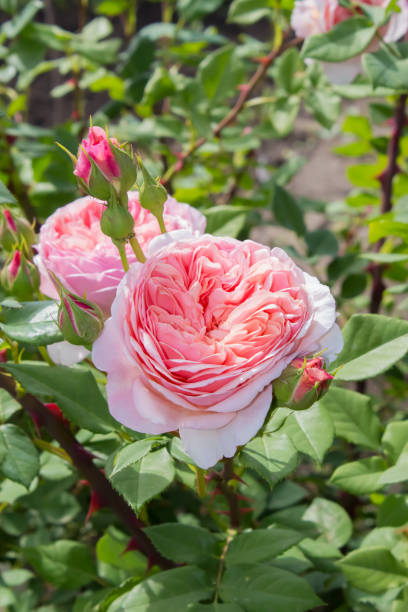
{"x":229,"y":493}
{"x":230,"y":117}
{"x":123,"y":257}
{"x":387,"y":177}
{"x":82,"y":460}
{"x":137,"y":249}
{"x":386,"y":197}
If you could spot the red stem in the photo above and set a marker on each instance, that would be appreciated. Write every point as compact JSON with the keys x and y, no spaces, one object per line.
{"x":82,"y":460}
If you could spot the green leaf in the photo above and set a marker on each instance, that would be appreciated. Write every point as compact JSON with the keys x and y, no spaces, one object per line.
{"x":145,"y":478}
{"x":287,"y":69}
{"x":321,"y":242}
{"x":360,"y":477}
{"x":111,"y":548}
{"x":283,"y":113}
{"x":34,"y":323}
{"x":331,"y":520}
{"x":261,"y":588}
{"x":131,"y":453}
{"x":5,"y":196}
{"x":65,"y":564}
{"x":374,"y":570}
{"x":220,"y":72}
{"x":311,"y":431}
{"x":247,"y":12}
{"x":167,"y":591}
{"x":346,"y":39}
{"x":8,"y":406}
{"x":394,"y":439}
{"x":386,"y":258}
{"x":353,"y":417}
{"x":272,"y":455}
{"x":372,"y":344}
{"x":10,"y":29}
{"x":324,"y":105}
{"x":261,"y":545}
{"x":382,"y":228}
{"x":18,"y":456}
{"x":183,"y":543}
{"x":393,"y":512}
{"x":398,"y":472}
{"x":287,"y":212}
{"x":226,"y":220}
{"x":385,"y":70}
{"x":74,"y":389}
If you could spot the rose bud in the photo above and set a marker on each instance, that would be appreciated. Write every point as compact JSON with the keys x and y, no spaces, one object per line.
{"x":152,"y":195}
{"x":79,"y":320}
{"x":302,"y":383}
{"x":20,"y":277}
{"x":117,"y":222}
{"x":96,"y":147}
{"x":13,"y":229}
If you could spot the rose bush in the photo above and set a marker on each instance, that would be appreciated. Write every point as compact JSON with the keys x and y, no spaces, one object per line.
{"x":200,"y":331}
{"x":72,"y":246}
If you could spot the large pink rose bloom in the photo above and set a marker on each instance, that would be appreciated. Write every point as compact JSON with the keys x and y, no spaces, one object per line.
{"x":311,"y":17}
{"x":73,"y":247}
{"x":200,"y":331}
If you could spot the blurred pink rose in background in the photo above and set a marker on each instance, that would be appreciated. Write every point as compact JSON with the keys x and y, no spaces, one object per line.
{"x":73,"y":247}
{"x":200,"y":331}
{"x":311,"y":17}
{"x":97,"y":147}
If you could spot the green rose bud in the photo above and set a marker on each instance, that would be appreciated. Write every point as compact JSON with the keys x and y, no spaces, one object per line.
{"x":117,"y":222}
{"x":79,"y":320}
{"x":20,"y":277}
{"x":152,"y":195}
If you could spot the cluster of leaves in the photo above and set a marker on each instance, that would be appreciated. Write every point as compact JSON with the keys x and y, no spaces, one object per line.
{"x":321,"y":493}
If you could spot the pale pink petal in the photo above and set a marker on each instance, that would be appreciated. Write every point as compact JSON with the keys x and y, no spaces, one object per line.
{"x":66,"y":354}
{"x":207,"y":447}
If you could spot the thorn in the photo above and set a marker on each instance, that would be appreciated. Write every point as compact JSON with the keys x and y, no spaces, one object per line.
{"x":131,"y":545}
{"x":244,"y":88}
{"x":56,"y":411}
{"x":264,"y":60}
{"x":244,"y":497}
{"x":246,"y":510}
{"x":239,"y":479}
{"x":95,"y":504}
{"x":37,"y":420}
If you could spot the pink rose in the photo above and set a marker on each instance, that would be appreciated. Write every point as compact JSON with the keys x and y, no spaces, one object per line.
{"x":311,"y":17}
{"x":199,"y":332}
{"x":73,"y":247}
{"x":97,"y":147}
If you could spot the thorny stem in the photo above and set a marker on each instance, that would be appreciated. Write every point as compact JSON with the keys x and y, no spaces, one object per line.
{"x":387,"y":178}
{"x":246,"y":91}
{"x":137,"y":249}
{"x":82,"y":460}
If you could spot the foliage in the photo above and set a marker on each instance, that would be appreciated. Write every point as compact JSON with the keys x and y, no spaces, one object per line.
{"x":202,"y":88}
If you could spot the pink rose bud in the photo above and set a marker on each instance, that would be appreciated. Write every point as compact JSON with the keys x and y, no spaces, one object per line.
{"x":20,"y":277}
{"x":79,"y":320}
{"x":96,"y":147}
{"x":3,"y":355}
{"x":13,"y":230}
{"x":302,"y":383}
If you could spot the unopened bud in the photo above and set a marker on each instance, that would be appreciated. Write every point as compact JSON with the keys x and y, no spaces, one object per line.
{"x":302,"y":383}
{"x":79,"y":320}
{"x":14,"y":230}
{"x":20,"y":277}
{"x":117,"y":222}
{"x":152,"y":195}
{"x":96,"y":147}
